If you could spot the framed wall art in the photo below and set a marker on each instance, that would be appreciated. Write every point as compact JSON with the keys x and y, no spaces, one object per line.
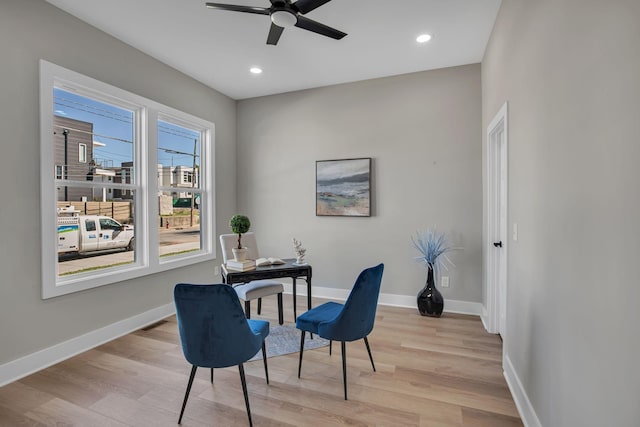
{"x":343,"y":187}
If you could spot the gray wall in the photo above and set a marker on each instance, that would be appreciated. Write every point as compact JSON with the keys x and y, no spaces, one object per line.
{"x":422,"y":131}
{"x":31,"y":30}
{"x":571,"y":73}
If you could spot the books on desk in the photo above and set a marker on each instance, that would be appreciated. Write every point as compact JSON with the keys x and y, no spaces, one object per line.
{"x":262,"y":262}
{"x":245,"y":265}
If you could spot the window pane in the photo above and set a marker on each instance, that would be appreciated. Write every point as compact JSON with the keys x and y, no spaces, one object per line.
{"x":94,"y":235}
{"x":178,"y":157}
{"x":178,"y":177}
{"x":179,"y":225}
{"x":93,"y":140}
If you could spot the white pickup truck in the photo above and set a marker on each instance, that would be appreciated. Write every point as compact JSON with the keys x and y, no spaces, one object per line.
{"x":86,"y":233}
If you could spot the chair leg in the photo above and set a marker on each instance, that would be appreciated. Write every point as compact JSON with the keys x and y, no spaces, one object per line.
{"x":211,"y":375}
{"x":344,"y":367}
{"x":259,"y":305}
{"x":264,"y":358}
{"x":244,"y":391}
{"x":330,"y":346}
{"x":366,"y":341}
{"x":301,"y":350}
{"x":194,"y":368}
{"x":247,"y":309}
{"x":280,"y":312}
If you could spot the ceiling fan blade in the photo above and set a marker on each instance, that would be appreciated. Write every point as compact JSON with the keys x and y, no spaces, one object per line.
{"x":235,"y":8}
{"x":316,"y":27}
{"x":306,"y":6}
{"x":274,"y":34}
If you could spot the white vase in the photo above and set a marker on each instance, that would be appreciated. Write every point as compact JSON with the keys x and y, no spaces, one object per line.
{"x":239,"y":254}
{"x":300,"y":260}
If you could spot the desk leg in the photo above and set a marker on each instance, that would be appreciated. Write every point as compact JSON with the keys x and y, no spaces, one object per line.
{"x":308,"y":293}
{"x":295,"y":316}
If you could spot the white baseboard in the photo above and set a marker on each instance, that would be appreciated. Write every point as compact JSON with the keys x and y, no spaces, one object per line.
{"x":408,"y":301}
{"x":527,"y":413}
{"x":27,"y":365}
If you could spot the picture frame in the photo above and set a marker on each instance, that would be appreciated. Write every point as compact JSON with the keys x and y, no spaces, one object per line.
{"x":343,"y":187}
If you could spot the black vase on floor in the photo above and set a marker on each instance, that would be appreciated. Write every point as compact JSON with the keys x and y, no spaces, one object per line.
{"x":430,"y":301}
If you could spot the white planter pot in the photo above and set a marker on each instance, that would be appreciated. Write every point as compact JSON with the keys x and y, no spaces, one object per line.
{"x":239,"y":254}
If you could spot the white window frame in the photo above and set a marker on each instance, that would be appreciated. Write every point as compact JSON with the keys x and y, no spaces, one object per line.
{"x":82,"y":153}
{"x":145,"y":184}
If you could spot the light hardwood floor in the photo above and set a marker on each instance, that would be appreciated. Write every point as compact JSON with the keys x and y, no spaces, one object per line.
{"x":430,"y":372}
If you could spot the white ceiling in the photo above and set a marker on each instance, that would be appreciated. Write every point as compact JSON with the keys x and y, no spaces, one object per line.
{"x":218,"y":47}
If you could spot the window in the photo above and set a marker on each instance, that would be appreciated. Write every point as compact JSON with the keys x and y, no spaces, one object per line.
{"x":113,"y":189}
{"x":109,"y":224}
{"x":179,"y":156}
{"x":82,"y":153}
{"x":90,"y":225}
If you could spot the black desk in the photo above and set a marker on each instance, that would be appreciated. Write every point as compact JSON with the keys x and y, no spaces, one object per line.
{"x":273,"y":272}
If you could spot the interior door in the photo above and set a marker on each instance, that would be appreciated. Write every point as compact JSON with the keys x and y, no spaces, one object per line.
{"x":502,"y":232}
{"x":497,"y":220}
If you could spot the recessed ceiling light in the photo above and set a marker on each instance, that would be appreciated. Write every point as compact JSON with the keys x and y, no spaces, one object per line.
{"x":423,"y":38}
{"x":255,"y":70}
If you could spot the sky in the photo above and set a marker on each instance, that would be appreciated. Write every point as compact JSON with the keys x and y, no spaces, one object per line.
{"x":113,"y":127}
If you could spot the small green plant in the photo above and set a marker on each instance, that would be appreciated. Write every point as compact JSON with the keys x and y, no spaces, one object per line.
{"x":239,"y":224}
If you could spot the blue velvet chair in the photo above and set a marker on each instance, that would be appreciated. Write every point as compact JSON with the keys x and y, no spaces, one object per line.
{"x":215,"y":333}
{"x":350,"y":321}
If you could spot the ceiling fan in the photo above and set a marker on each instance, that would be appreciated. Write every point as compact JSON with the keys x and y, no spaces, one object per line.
{"x":283,"y":14}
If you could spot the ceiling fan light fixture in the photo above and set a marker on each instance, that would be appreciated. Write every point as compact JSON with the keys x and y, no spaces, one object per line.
{"x":283,"y":18}
{"x":423,"y":38}
{"x":283,"y":14}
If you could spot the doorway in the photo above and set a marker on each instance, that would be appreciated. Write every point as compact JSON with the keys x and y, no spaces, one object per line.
{"x":497,"y":239}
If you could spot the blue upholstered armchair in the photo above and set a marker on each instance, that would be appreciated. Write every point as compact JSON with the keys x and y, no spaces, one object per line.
{"x":215,"y":333}
{"x":349,"y":322}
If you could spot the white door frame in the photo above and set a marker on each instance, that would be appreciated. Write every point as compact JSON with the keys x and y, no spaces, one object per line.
{"x":496,"y":217}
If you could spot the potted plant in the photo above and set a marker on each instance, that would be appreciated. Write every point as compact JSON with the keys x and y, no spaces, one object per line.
{"x":433,"y":247}
{"x":239,"y":224}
